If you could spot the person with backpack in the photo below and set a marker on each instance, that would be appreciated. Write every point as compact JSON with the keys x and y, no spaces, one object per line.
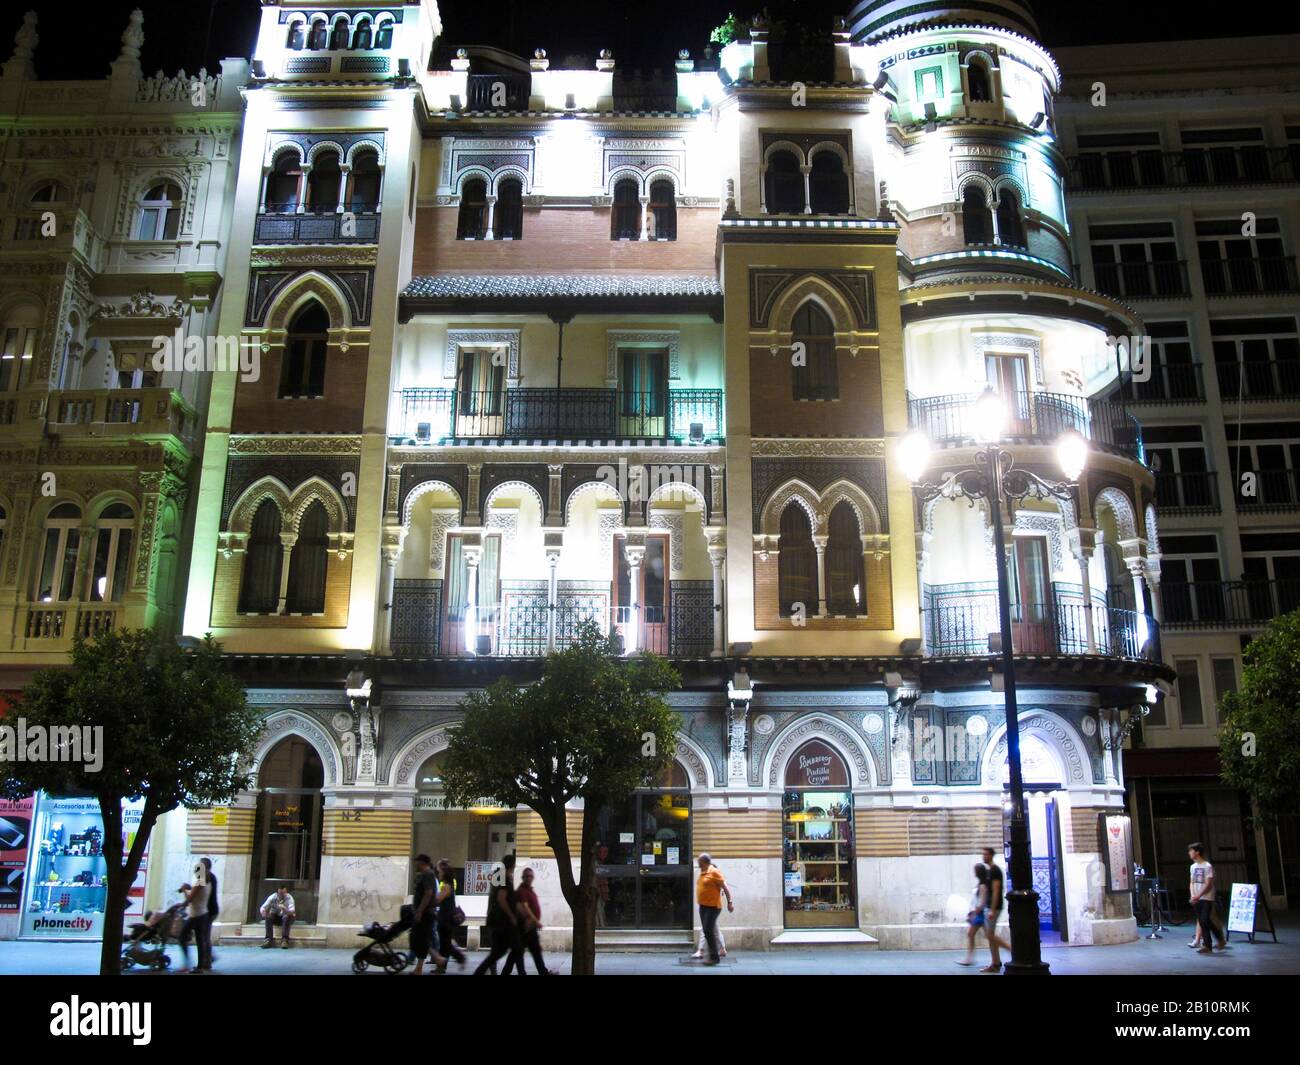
{"x":450,"y":916}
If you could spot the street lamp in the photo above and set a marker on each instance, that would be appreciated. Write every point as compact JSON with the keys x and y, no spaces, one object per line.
{"x":995,"y":477}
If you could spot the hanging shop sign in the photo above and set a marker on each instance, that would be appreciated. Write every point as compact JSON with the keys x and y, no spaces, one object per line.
{"x":815,"y":765}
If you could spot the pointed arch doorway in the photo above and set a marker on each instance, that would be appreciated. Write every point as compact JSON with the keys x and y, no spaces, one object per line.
{"x":818,"y":883}
{"x":287,"y":845}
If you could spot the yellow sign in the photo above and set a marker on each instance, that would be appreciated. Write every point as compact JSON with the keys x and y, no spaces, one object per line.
{"x":220,"y":815}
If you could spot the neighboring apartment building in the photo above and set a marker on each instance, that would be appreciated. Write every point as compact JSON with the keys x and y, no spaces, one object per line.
{"x":114,"y":208}
{"x":484,"y":288}
{"x":1184,"y":192}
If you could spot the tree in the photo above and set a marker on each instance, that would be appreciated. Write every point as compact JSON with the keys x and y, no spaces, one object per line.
{"x":174,"y":724}
{"x":730,"y":30}
{"x":595,"y":727}
{"x":1257,"y":748}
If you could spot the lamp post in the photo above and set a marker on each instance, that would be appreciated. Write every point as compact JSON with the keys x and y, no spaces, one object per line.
{"x":996,"y":477}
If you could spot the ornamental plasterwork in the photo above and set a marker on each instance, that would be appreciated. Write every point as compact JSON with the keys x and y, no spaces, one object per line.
{"x":504,"y":520}
{"x":314,"y":255}
{"x":617,"y":338}
{"x":442,"y":522}
{"x":675,"y":522}
{"x":144,"y":304}
{"x":1056,"y":737}
{"x":693,"y":762}
{"x":769,"y":447}
{"x":297,"y":724}
{"x":684,"y":456}
{"x":295,"y":445}
{"x":610,"y":522}
{"x":985,"y":342}
{"x":1044,"y":523}
{"x":819,"y":727}
{"x":470,"y":338}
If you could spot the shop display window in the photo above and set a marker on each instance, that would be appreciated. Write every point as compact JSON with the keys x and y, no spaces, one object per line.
{"x":818,"y":879}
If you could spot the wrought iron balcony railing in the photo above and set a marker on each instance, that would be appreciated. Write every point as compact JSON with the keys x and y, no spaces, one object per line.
{"x":688,"y":415}
{"x":1259,"y":381}
{"x":1227,"y":604}
{"x":498,"y":92}
{"x":1143,"y":280}
{"x":1272,"y":490}
{"x":358,"y":224}
{"x":971,"y":628}
{"x":1153,"y":169}
{"x":1168,"y":384}
{"x":1194,"y":492}
{"x":1032,"y":416}
{"x":1250,"y":277}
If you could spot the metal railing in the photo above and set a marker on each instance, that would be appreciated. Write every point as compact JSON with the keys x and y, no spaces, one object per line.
{"x":1143,"y":280}
{"x":1227,"y":604}
{"x":292,"y":228}
{"x":498,"y":92}
{"x":972,"y":629}
{"x":1272,"y":490}
{"x":1250,"y":277}
{"x":1259,"y":381}
{"x":432,"y":414}
{"x":147,"y":410}
{"x":1193,"y":490}
{"x":1168,"y":383}
{"x":1154,"y":169}
{"x":1032,"y":415}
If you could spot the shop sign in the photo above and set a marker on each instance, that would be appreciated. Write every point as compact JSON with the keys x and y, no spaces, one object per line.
{"x":15,"y":838}
{"x":793,"y":885}
{"x":287,"y":818}
{"x":220,"y":816}
{"x":476,"y":877}
{"x":1117,"y":848}
{"x":1241,"y":908}
{"x":815,"y":765}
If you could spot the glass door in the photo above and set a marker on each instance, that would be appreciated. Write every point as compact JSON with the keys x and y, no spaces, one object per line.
{"x":287,"y":846}
{"x":479,"y":386}
{"x":643,"y":393}
{"x":651,"y":614}
{"x":1007,"y":375}
{"x":1031,"y":596}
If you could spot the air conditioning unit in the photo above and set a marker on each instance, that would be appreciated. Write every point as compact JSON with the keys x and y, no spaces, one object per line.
{"x":697,"y":433}
{"x":424,"y":432}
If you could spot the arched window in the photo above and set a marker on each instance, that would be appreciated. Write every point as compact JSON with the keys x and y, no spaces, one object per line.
{"x":846,"y":582}
{"x":282,"y":184}
{"x":625,"y":218}
{"x":59,"y":558}
{"x":663,"y":210}
{"x":339,"y":35}
{"x":159,"y":217}
{"x":259,"y":591}
{"x":303,"y":373}
{"x":977,"y":77}
{"x":977,"y":224}
{"x":365,"y":181}
{"x":308,"y":562}
{"x":296,"y":37}
{"x":324,"y":183}
{"x":784,"y":191}
{"x":4,"y":522}
{"x":384,"y":35}
{"x":316,"y":38}
{"x":18,"y":346}
{"x":817,"y":378}
{"x":361,"y":39}
{"x":471,"y":223}
{"x":1011,"y":227}
{"x":49,"y":192}
{"x":508,"y":215}
{"x":796,"y":563}
{"x":110,"y":573}
{"x":828,"y":184}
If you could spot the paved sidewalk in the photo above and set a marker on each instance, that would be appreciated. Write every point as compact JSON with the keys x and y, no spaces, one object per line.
{"x":1164,"y":957}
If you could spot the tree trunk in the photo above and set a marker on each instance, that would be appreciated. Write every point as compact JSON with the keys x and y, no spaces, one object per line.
{"x":118,"y":877}
{"x":584,"y":912}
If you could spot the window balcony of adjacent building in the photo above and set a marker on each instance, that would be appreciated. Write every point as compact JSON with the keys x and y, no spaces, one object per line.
{"x":1160,"y":279}
{"x":1211,"y":167}
{"x":1035,"y":417}
{"x":438,"y":415}
{"x":1187,"y":493}
{"x":1273,"y":491}
{"x":1259,"y":380}
{"x":1272,"y":276}
{"x":121,"y":413}
{"x":1230,"y":605}
{"x":53,"y":625}
{"x":1168,"y":385}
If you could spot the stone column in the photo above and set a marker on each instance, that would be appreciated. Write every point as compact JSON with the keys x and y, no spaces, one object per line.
{"x":302,"y":188}
{"x":717,"y":558}
{"x":474,"y":470}
{"x":345,"y":190}
{"x":1084,"y":559}
{"x":392,"y":553}
{"x":645,"y":218}
{"x":552,"y":594}
{"x":554,"y":508}
{"x":287,"y":540}
{"x":1152,"y":576}
{"x":717,"y":496}
{"x":473,"y":555}
{"x":806,"y":171}
{"x":635,"y":555}
{"x":819,"y":542}
{"x":491,"y":216}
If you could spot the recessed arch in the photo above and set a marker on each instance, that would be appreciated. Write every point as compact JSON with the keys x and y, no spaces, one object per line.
{"x":863,"y":770}
{"x":515,"y":486}
{"x":269,"y":487}
{"x":601,"y":489}
{"x":280,"y":725}
{"x":792,"y":491}
{"x":1057,"y":734}
{"x":1121,"y":506}
{"x":301,"y":290}
{"x":825,"y":295}
{"x":424,"y":488}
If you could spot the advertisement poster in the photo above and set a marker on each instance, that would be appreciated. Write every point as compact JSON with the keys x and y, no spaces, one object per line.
{"x":793,"y":885}
{"x":15,"y":837}
{"x":1119,"y":850}
{"x":476,"y":877}
{"x":66,"y":892}
{"x":674,"y":856}
{"x":1241,"y":909}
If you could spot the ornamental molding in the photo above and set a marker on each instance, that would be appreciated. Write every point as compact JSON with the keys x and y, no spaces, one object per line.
{"x":985,"y":342}
{"x":862,"y":699}
{"x":694,"y":763}
{"x":468,"y":338}
{"x":295,"y":445}
{"x":353,"y":255}
{"x":144,"y":304}
{"x":772,"y":447}
{"x":619,"y":338}
{"x":289,"y":723}
{"x":1056,"y":736}
{"x":818,"y":727}
{"x":675,"y":522}
{"x":442,"y":521}
{"x":1050,"y":525}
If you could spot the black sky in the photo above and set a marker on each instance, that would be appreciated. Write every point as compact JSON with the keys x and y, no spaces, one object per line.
{"x":80,"y":40}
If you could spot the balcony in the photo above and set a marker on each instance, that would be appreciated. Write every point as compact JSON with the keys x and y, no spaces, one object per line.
{"x":1168,"y":385}
{"x":1227,"y":604}
{"x":1259,"y":381}
{"x":1250,"y":277}
{"x":520,"y":628}
{"x":1275,"y":490}
{"x":1187,"y":493}
{"x":971,"y":628}
{"x":50,"y":623}
{"x":358,"y":226}
{"x":1035,"y":416}
{"x":1216,"y":166}
{"x":433,"y":415}
{"x":483,"y":94}
{"x":1143,"y":280}
{"x":123,"y":412}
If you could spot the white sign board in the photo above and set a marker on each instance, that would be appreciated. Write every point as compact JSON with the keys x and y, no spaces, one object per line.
{"x":1241,"y":910}
{"x":1119,"y":852}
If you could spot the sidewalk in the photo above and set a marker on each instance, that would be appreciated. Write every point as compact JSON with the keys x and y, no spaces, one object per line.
{"x":1165,"y":957}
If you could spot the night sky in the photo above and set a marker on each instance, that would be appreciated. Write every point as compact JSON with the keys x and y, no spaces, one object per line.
{"x":194,"y":33}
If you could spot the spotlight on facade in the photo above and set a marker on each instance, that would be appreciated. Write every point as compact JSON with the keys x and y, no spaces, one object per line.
{"x":724,"y":77}
{"x":697,"y":433}
{"x":259,"y":68}
{"x":914,"y":454}
{"x":358,"y":685}
{"x":1037,"y":121}
{"x":403,"y":68}
{"x":990,"y":417}
{"x":1072,"y":453}
{"x":739,"y":688}
{"x":424,"y":432}
{"x":882,"y":79}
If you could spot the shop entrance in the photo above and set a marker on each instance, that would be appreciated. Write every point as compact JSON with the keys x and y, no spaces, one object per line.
{"x":643,"y":858}
{"x":287,"y":846}
{"x":1043,"y":809}
{"x":818,"y":883}
{"x":473,"y":840}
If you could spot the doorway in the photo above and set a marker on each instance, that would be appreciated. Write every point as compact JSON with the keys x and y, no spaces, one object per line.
{"x":1043,"y":811}
{"x":643,"y":858}
{"x":287,"y":845}
{"x":1008,"y":376}
{"x":650,"y":617}
{"x":1031,"y":596}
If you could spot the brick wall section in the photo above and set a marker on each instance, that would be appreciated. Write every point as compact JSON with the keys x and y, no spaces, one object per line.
{"x":880,"y":600}
{"x":234,"y":837}
{"x":563,"y":240}
{"x":531,"y":837}
{"x":775,"y":412}
{"x":259,"y":410}
{"x":376,"y":834}
{"x":895,"y":833}
{"x":1083,"y":833}
{"x":225,"y":598}
{"x":735,"y":834}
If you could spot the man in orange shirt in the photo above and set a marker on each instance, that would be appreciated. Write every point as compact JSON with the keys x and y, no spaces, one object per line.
{"x":709,"y":890}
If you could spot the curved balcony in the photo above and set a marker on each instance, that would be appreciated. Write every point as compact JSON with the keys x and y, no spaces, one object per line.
{"x":1034,"y":416}
{"x":971,"y":629}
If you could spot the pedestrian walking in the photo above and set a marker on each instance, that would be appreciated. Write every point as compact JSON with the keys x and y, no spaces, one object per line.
{"x":1201,"y":889}
{"x":993,"y":910}
{"x":198,"y":925}
{"x":449,"y":916}
{"x":717,"y":930}
{"x":502,"y":921}
{"x":530,"y":927}
{"x":979,"y":901}
{"x":424,"y":915}
{"x":214,"y":905}
{"x":709,"y":888}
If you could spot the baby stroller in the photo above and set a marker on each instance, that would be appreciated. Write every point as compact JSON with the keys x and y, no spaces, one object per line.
{"x":149,"y":938}
{"x":378,"y":951}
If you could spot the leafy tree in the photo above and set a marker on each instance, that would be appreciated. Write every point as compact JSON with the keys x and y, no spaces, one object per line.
{"x":730,"y":30}
{"x":174,"y":725}
{"x":1258,"y":752}
{"x":595,"y":727}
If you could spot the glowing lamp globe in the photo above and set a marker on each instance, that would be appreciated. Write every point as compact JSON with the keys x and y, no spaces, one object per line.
{"x":1072,"y":453}
{"x":914,"y":454}
{"x":990,"y":418}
